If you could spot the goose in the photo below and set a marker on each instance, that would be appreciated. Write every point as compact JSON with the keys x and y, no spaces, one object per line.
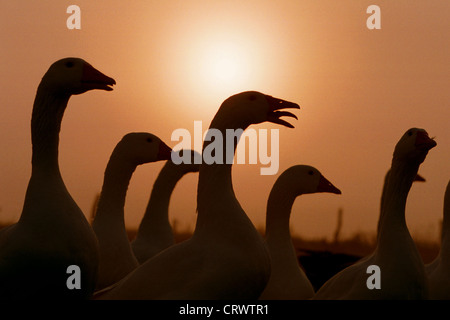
{"x":155,"y":232}
{"x":225,"y":258}
{"x":116,"y":257}
{"x":287,"y":280}
{"x":418,"y":178}
{"x":401,"y":269}
{"x":52,"y":235}
{"x":438,"y":271}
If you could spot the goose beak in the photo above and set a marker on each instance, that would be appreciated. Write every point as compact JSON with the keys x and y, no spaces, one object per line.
{"x":274,"y":114}
{"x":424,"y":142}
{"x":94,"y":79}
{"x":327,"y":186}
{"x":164,"y":152}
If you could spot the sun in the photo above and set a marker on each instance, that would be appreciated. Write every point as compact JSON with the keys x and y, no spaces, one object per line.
{"x":223,"y":65}
{"x":212,"y":64}
{"x":224,"y":68}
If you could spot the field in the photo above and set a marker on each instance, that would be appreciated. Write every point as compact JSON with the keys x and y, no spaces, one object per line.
{"x":326,"y":257}
{"x":321,"y":259}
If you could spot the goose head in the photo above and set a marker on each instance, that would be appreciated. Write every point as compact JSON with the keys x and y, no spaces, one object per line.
{"x":413,"y":146}
{"x":142,"y":147}
{"x":70,"y":76}
{"x":303,"y":179}
{"x":252,"y":107}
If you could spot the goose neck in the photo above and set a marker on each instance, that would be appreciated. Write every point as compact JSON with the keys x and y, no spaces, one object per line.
{"x":164,"y":185}
{"x":279,"y":206}
{"x":48,"y":111}
{"x":157,"y":211}
{"x":115,"y":185}
{"x":217,"y":205}
{"x":215,"y":176}
{"x":392,"y":221}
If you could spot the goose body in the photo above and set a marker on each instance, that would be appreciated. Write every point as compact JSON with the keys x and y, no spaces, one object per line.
{"x":155,"y":232}
{"x":402,"y":272}
{"x":287,"y":280}
{"x":226,"y":257}
{"x":116,"y":256}
{"x":438,"y":271}
{"x":52,"y":232}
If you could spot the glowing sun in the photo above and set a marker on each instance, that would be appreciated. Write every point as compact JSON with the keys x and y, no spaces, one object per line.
{"x":224,"y":64}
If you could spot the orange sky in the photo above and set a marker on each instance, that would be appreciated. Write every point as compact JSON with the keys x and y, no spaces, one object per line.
{"x":359,"y":91}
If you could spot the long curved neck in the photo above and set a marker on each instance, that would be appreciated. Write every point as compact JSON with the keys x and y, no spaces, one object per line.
{"x":279,"y":206}
{"x":116,"y":256}
{"x":157,"y":211}
{"x":392,"y":225}
{"x":48,"y":111}
{"x":218,"y":208}
{"x":45,"y":180}
{"x":110,"y":210}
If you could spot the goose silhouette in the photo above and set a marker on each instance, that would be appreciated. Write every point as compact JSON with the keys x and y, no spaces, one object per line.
{"x":401,"y":267}
{"x":226,"y":257}
{"x":287,"y":280}
{"x":155,"y":232}
{"x":52,"y":233}
{"x":116,"y":255}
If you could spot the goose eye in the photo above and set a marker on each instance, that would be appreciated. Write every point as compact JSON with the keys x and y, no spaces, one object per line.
{"x":149,"y":140}
{"x":410,"y":133}
{"x":252,"y":97}
{"x":310,"y":172}
{"x":69,"y":64}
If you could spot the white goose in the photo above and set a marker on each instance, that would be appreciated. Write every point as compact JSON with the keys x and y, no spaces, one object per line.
{"x":226,"y":257}
{"x":155,"y":232}
{"x":438,"y":270}
{"x":116,"y":256}
{"x":402,"y":272}
{"x":287,"y":280}
{"x":52,"y":232}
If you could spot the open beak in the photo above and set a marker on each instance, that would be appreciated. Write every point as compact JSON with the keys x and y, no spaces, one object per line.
{"x":94,"y":79}
{"x":274,"y":114}
{"x":423,"y":141}
{"x":327,"y":186}
{"x":164,"y":152}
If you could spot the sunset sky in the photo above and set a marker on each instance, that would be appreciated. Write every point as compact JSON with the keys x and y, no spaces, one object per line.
{"x":176,"y":61}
